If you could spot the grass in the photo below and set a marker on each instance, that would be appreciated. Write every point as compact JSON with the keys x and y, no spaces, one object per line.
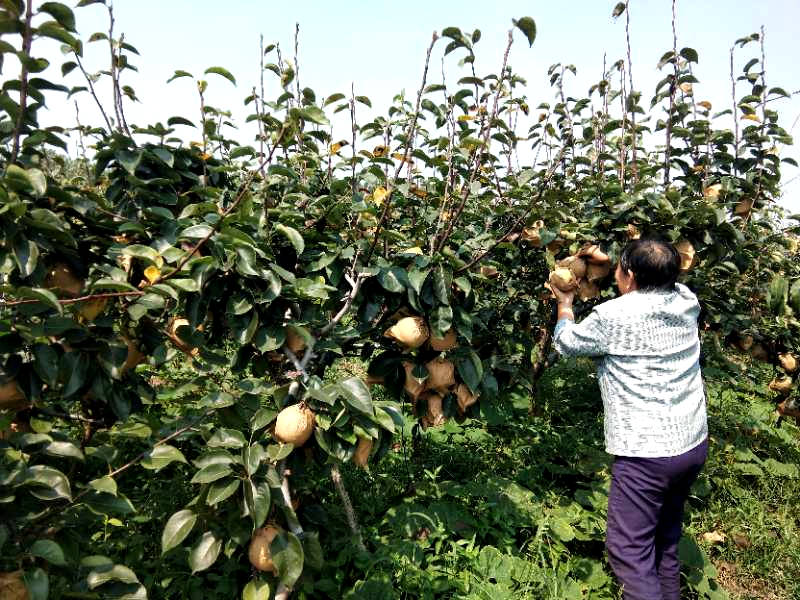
{"x":512,"y":504}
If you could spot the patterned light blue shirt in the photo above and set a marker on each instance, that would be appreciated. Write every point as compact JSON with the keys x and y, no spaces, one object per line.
{"x":648,"y":365}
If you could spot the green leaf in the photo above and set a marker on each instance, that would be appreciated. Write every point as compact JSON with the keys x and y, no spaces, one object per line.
{"x":214,"y":457}
{"x":160,"y":456}
{"x":442,"y":320}
{"x":313,"y":288}
{"x":794,"y":297}
{"x":416,"y":278}
{"x":55,"y":31}
{"x":61,"y":13}
{"x":217,"y":399}
{"x":29,"y":181}
{"x":226,"y":438}
{"x":105,"y":284}
{"x":104,"y":574}
{"x":470,"y":369}
{"x":562,"y":529}
{"x":780,"y":469}
{"x":77,"y":368}
{"x":257,"y":498}
{"x":312,"y":550}
{"x":441,"y":284}
{"x":243,"y":151}
{"x":256,"y":589}
{"x":211,"y":473}
{"x":205,"y":552}
{"x":44,"y":296}
{"x":527,"y":26}
{"x":269,"y":338}
{"x":464,"y":284}
{"x":184,"y":285}
{"x":129,"y":160}
{"x":145,"y":253}
{"x":315,"y":115}
{"x":49,"y":551}
{"x":690,"y":553}
{"x":223,"y":72}
{"x":105,"y":504}
{"x":392,"y":279}
{"x":64,"y":450}
{"x":288,"y":557}
{"x":197,"y":232}
{"x":777,"y":295}
{"x":748,"y":469}
{"x":27,"y":255}
{"x":262,"y":418}
{"x":221,"y":490}
{"x":104,"y":484}
{"x":690,"y":54}
{"x":164,"y":155}
{"x":48,"y":483}
{"x":293,"y":236}
{"x":356,"y":394}
{"x":46,"y":363}
{"x":179,"y":120}
{"x":252,"y":456}
{"x":177,"y":528}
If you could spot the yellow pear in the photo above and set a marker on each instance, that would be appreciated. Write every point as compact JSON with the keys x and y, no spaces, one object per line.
{"x":295,"y":424}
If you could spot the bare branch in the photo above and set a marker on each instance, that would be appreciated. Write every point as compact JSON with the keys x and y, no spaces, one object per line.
{"x":634,"y":166}
{"x":92,"y":91}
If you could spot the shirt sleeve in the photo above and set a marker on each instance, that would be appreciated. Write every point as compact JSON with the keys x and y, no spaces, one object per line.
{"x":587,"y":338}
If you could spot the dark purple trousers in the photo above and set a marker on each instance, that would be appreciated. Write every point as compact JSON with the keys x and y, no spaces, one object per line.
{"x":645,"y":513}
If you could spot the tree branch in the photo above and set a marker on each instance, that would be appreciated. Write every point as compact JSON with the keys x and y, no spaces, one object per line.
{"x":408,"y":143}
{"x":336,"y":477}
{"x":487,"y":129}
{"x":92,"y":91}
{"x":80,"y":299}
{"x":516,"y":223}
{"x":239,"y":196}
{"x":27,"y":38}
{"x":348,"y":303}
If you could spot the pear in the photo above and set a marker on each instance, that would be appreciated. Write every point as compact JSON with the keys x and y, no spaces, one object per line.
{"x":363,"y":450}
{"x":411,"y":332}
{"x":259,"y":552}
{"x":441,"y":374}
{"x":295,"y":424}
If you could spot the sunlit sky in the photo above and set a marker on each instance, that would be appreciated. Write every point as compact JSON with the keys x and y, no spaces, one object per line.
{"x":379,"y":48}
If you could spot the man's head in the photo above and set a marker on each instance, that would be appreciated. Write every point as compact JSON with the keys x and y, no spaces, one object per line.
{"x":653,"y":262}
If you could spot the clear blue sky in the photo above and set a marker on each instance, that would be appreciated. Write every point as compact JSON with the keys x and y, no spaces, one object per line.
{"x":380,"y":46}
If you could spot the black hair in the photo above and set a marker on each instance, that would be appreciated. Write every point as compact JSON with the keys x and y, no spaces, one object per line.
{"x":654,"y":262}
